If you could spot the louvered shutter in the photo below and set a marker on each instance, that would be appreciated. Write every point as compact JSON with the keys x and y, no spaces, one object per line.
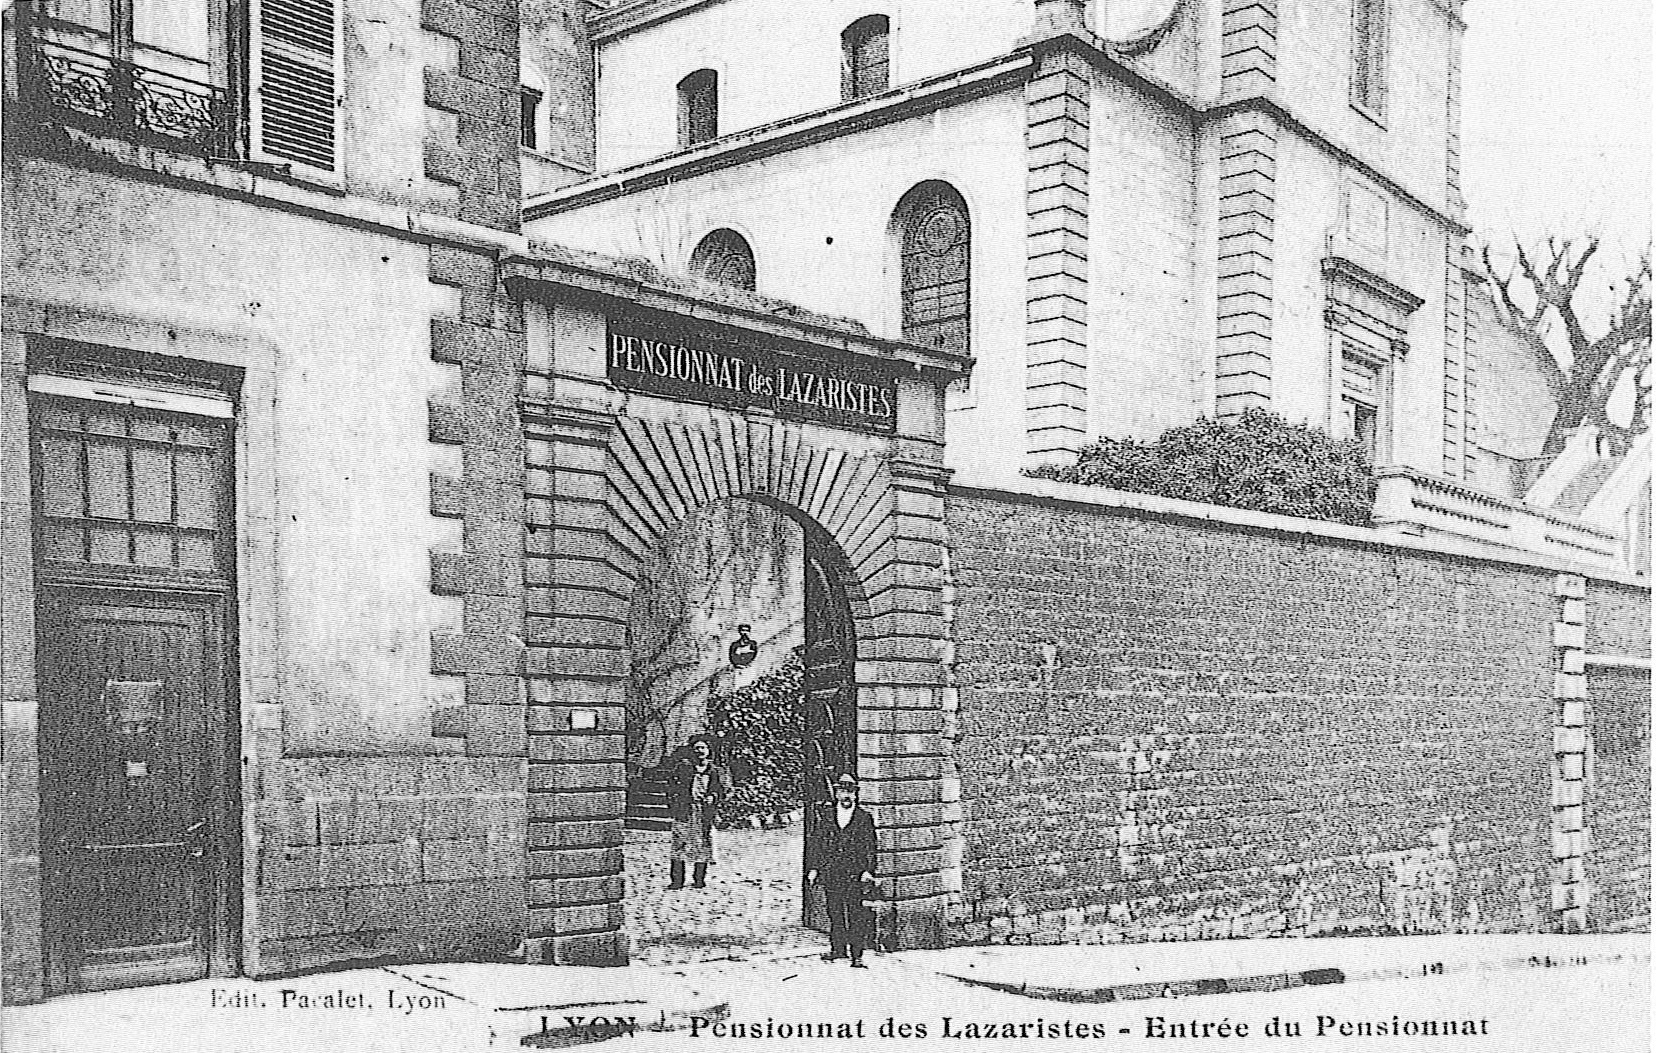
{"x":298,"y":70}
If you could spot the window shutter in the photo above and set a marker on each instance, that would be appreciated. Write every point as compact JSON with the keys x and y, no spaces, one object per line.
{"x":298,"y":71}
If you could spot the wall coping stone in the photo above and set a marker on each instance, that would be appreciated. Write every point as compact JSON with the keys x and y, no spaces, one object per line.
{"x":1098,"y":499}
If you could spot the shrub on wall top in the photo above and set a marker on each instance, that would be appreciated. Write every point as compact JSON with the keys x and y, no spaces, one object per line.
{"x":1258,"y":461}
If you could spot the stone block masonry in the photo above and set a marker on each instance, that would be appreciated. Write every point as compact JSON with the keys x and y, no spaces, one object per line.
{"x":1177,"y":729}
{"x":423,"y":855}
{"x":473,"y":111}
{"x":1058,"y":100}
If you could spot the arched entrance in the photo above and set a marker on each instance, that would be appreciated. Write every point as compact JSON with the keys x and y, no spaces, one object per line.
{"x":644,"y":406}
{"x":740,"y":629}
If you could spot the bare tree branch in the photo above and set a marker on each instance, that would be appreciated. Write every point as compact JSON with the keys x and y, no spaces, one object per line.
{"x":1553,"y":275}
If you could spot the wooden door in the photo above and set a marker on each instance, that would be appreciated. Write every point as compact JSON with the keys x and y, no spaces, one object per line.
{"x":829,"y":695}
{"x":133,"y":784}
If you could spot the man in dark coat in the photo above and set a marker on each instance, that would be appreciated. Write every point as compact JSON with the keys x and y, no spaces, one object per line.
{"x":695,"y":787}
{"x":841,"y":858}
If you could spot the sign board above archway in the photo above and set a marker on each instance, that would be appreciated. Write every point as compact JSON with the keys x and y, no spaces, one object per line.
{"x":659,"y":355}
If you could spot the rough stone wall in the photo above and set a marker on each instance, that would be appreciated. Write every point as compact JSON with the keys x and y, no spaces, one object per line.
{"x":1619,"y":814}
{"x":1173,"y":730}
{"x":473,"y":110}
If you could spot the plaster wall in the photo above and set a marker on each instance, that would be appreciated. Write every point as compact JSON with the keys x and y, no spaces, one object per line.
{"x":358,"y":822}
{"x":1409,"y":141}
{"x":818,"y":220}
{"x":382,"y":118}
{"x":1148,"y":354}
{"x":1313,"y":190}
{"x":776,"y":60}
{"x":557,"y":60}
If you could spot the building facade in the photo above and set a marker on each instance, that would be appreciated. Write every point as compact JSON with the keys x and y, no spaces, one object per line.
{"x":1160,"y":211}
{"x":331,"y":471}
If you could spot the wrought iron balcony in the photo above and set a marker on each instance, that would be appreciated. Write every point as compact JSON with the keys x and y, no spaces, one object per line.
{"x":67,"y":85}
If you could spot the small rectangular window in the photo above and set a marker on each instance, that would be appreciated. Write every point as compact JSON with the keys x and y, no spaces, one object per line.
{"x":530,"y":100}
{"x":1368,"y":55}
{"x":131,"y":488}
{"x":698,"y":108}
{"x":1361,"y":400}
{"x":866,"y":47}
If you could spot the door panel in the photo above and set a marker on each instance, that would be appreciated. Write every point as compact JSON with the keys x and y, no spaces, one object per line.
{"x":132,"y":783}
{"x":829,"y":695}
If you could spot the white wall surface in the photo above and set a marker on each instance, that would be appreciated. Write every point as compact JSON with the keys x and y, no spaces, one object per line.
{"x":777,"y":59}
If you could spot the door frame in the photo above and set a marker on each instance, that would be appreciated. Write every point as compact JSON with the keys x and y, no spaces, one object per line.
{"x":55,"y":597}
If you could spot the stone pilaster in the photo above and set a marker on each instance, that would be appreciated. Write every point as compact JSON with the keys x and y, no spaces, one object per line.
{"x":905,"y":755}
{"x":1457,"y":425}
{"x":1572,"y":758}
{"x":576,"y":627}
{"x":1246,"y":209}
{"x":1246,"y":262}
{"x":1058,"y":99}
{"x":1248,"y":48}
{"x":473,"y":110}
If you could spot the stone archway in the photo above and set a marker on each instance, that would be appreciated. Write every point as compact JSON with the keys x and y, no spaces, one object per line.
{"x":614,"y":487}
{"x":784,"y":719}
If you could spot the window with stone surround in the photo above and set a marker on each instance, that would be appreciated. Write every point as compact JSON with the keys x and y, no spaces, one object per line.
{"x":1369,"y":34}
{"x":865,"y":48}
{"x":698,"y":108}
{"x":130,"y":488}
{"x":724,"y":256}
{"x":1362,"y":402}
{"x":936,"y":246}
{"x":1367,"y":318}
{"x":175,"y":74}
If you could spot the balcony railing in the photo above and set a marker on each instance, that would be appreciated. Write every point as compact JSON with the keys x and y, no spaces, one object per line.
{"x":71,"y":86}
{"x":1417,"y":503}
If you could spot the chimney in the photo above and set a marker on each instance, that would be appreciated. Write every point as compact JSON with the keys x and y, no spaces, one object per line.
{"x":1054,"y":17}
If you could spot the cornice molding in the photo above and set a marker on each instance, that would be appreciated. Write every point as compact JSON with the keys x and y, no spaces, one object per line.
{"x":1341,"y":269}
{"x":936,"y":93}
{"x":543,"y":279}
{"x":791,"y":133}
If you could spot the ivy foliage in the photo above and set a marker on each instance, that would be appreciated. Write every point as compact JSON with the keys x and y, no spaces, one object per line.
{"x":1258,"y":461}
{"x":761,"y":733}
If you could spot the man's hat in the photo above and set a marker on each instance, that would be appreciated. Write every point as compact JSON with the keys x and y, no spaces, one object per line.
{"x":846,"y":780}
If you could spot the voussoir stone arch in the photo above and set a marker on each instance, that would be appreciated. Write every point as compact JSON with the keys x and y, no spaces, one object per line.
{"x":615,"y":489}
{"x":661,"y":473}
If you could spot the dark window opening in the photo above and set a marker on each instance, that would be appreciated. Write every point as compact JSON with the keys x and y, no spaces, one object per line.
{"x":724,"y":256}
{"x":936,"y":267}
{"x":1368,"y":55}
{"x":698,"y":108}
{"x":866,"y":64}
{"x":529,"y":101}
{"x":1362,"y":394}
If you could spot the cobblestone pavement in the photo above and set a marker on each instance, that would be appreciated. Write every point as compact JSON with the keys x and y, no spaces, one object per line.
{"x":749,"y":908}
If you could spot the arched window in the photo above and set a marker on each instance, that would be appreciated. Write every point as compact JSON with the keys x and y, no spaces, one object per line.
{"x":698,"y":107}
{"x":936,"y":267}
{"x":866,"y":49}
{"x":724,"y":256}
